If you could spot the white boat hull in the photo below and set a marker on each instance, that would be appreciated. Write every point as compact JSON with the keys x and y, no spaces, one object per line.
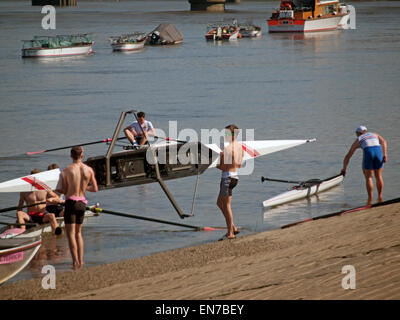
{"x":57,"y":52}
{"x":296,"y":194}
{"x":51,"y":179}
{"x":127,"y":46}
{"x":300,"y":25}
{"x":251,"y":34}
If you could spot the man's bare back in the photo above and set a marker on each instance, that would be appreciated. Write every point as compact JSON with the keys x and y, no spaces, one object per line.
{"x":77,"y":179}
{"x":231,"y":157}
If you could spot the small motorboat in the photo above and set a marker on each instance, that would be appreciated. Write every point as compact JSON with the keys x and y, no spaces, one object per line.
{"x":248,"y":30}
{"x":128,"y":42}
{"x":222,"y":31}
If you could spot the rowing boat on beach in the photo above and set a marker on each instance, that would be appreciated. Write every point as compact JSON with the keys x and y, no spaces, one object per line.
{"x":15,"y":254}
{"x":13,"y":231}
{"x":302,"y":190}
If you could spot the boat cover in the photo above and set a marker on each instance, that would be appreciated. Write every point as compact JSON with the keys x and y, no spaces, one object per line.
{"x":165,"y":33}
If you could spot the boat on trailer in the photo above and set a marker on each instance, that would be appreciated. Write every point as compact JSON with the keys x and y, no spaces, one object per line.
{"x":302,"y":190}
{"x":128,"y":42}
{"x":15,"y":254}
{"x":57,"y":46}
{"x":166,"y":160}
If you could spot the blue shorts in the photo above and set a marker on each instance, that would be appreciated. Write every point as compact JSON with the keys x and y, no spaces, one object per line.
{"x":226,"y":186}
{"x":373,"y":158}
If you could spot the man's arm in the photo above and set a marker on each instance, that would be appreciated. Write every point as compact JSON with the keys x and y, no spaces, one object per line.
{"x":348,"y":156}
{"x":64,"y":184}
{"x":52,"y":198}
{"x":20,"y":202}
{"x":92,"y":186}
{"x":221,"y":160}
{"x":384,"y":146}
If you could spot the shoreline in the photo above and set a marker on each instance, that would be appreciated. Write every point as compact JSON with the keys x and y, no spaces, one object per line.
{"x":301,"y":262}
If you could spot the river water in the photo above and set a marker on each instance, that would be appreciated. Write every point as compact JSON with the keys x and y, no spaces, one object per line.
{"x":283,"y":86}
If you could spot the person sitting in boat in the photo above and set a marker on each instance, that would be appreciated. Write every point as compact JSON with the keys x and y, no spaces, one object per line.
{"x":137,"y":132}
{"x":36,"y":210}
{"x":57,"y":209}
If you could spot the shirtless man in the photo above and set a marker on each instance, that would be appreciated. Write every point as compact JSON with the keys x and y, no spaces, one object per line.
{"x":135,"y":134}
{"x":77,"y":178}
{"x":230,"y":160}
{"x":38,"y":213}
{"x":375,"y":155}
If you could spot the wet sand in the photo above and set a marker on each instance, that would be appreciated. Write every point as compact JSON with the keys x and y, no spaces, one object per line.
{"x":301,"y":262}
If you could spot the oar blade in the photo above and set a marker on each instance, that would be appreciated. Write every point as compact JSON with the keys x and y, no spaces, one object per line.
{"x":35,"y":152}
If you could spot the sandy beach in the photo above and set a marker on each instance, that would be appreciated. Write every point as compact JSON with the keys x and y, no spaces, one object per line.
{"x":301,"y":262}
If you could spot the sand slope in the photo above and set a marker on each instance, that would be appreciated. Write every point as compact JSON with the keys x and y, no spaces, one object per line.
{"x":301,"y":262}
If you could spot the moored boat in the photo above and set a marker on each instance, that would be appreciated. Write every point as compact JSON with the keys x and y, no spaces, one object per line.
{"x":248,"y":30}
{"x":309,"y":16}
{"x":57,"y":46}
{"x":302,"y":190}
{"x":222,"y":31}
{"x":128,"y":42}
{"x":15,"y":254}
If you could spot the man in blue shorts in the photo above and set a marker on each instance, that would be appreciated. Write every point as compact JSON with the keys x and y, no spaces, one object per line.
{"x":375,"y":155}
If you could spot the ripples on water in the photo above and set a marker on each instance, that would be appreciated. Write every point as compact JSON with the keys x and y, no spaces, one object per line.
{"x":284,"y":86}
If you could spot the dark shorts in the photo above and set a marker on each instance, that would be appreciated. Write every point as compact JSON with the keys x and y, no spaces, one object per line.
{"x":36,"y":218}
{"x":373,"y":158}
{"x":226,"y":186}
{"x":74,"y":212}
{"x":139,"y":139}
{"x":55,"y":208}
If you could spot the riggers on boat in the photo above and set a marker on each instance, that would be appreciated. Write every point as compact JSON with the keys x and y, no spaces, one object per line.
{"x":301,"y":190}
{"x":128,"y":42}
{"x":35,"y":229}
{"x":15,"y":254}
{"x":311,"y":16}
{"x":57,"y":46}
{"x":170,"y":159}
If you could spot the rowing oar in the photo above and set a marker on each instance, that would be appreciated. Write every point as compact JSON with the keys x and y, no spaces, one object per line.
{"x":311,"y":181}
{"x":121,"y":214}
{"x":339,"y":213}
{"x":16,"y":207}
{"x":67,"y":147}
{"x":279,"y":180}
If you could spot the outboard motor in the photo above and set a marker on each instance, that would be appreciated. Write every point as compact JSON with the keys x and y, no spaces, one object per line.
{"x":155,"y":38}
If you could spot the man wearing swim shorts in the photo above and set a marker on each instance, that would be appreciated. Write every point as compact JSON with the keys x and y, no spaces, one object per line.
{"x":36,"y":210}
{"x":375,"y":155}
{"x":230,"y":160}
{"x":77,"y":178}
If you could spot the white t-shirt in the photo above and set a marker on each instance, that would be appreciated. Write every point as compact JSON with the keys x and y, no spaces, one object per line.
{"x":147,"y":126}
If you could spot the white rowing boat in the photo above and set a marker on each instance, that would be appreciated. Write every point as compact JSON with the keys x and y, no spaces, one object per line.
{"x":15,"y":254}
{"x":50,"y":180}
{"x":303,"y":190}
{"x":14,"y":232}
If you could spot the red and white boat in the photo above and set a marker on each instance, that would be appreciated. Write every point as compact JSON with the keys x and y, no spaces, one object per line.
{"x":310,"y":16}
{"x":222,"y":31}
{"x":57,"y":46}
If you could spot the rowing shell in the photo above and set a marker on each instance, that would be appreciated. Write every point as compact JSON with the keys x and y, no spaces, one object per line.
{"x":132,"y":168}
{"x":15,"y":232}
{"x":301,"y":192}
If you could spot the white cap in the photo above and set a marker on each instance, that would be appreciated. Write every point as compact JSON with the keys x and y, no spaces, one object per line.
{"x":361,"y":129}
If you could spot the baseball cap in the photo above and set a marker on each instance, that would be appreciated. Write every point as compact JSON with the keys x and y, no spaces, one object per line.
{"x":360,"y":129}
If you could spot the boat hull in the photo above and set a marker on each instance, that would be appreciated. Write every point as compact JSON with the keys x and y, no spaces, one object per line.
{"x":297,"y":194}
{"x":57,"y":52}
{"x":15,"y":255}
{"x":127,"y":46}
{"x":304,"y":25}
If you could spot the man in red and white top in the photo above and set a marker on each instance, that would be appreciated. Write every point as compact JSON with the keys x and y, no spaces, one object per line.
{"x":375,"y":155}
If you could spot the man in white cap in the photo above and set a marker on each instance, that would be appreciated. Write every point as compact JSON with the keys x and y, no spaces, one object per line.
{"x":375,"y":154}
